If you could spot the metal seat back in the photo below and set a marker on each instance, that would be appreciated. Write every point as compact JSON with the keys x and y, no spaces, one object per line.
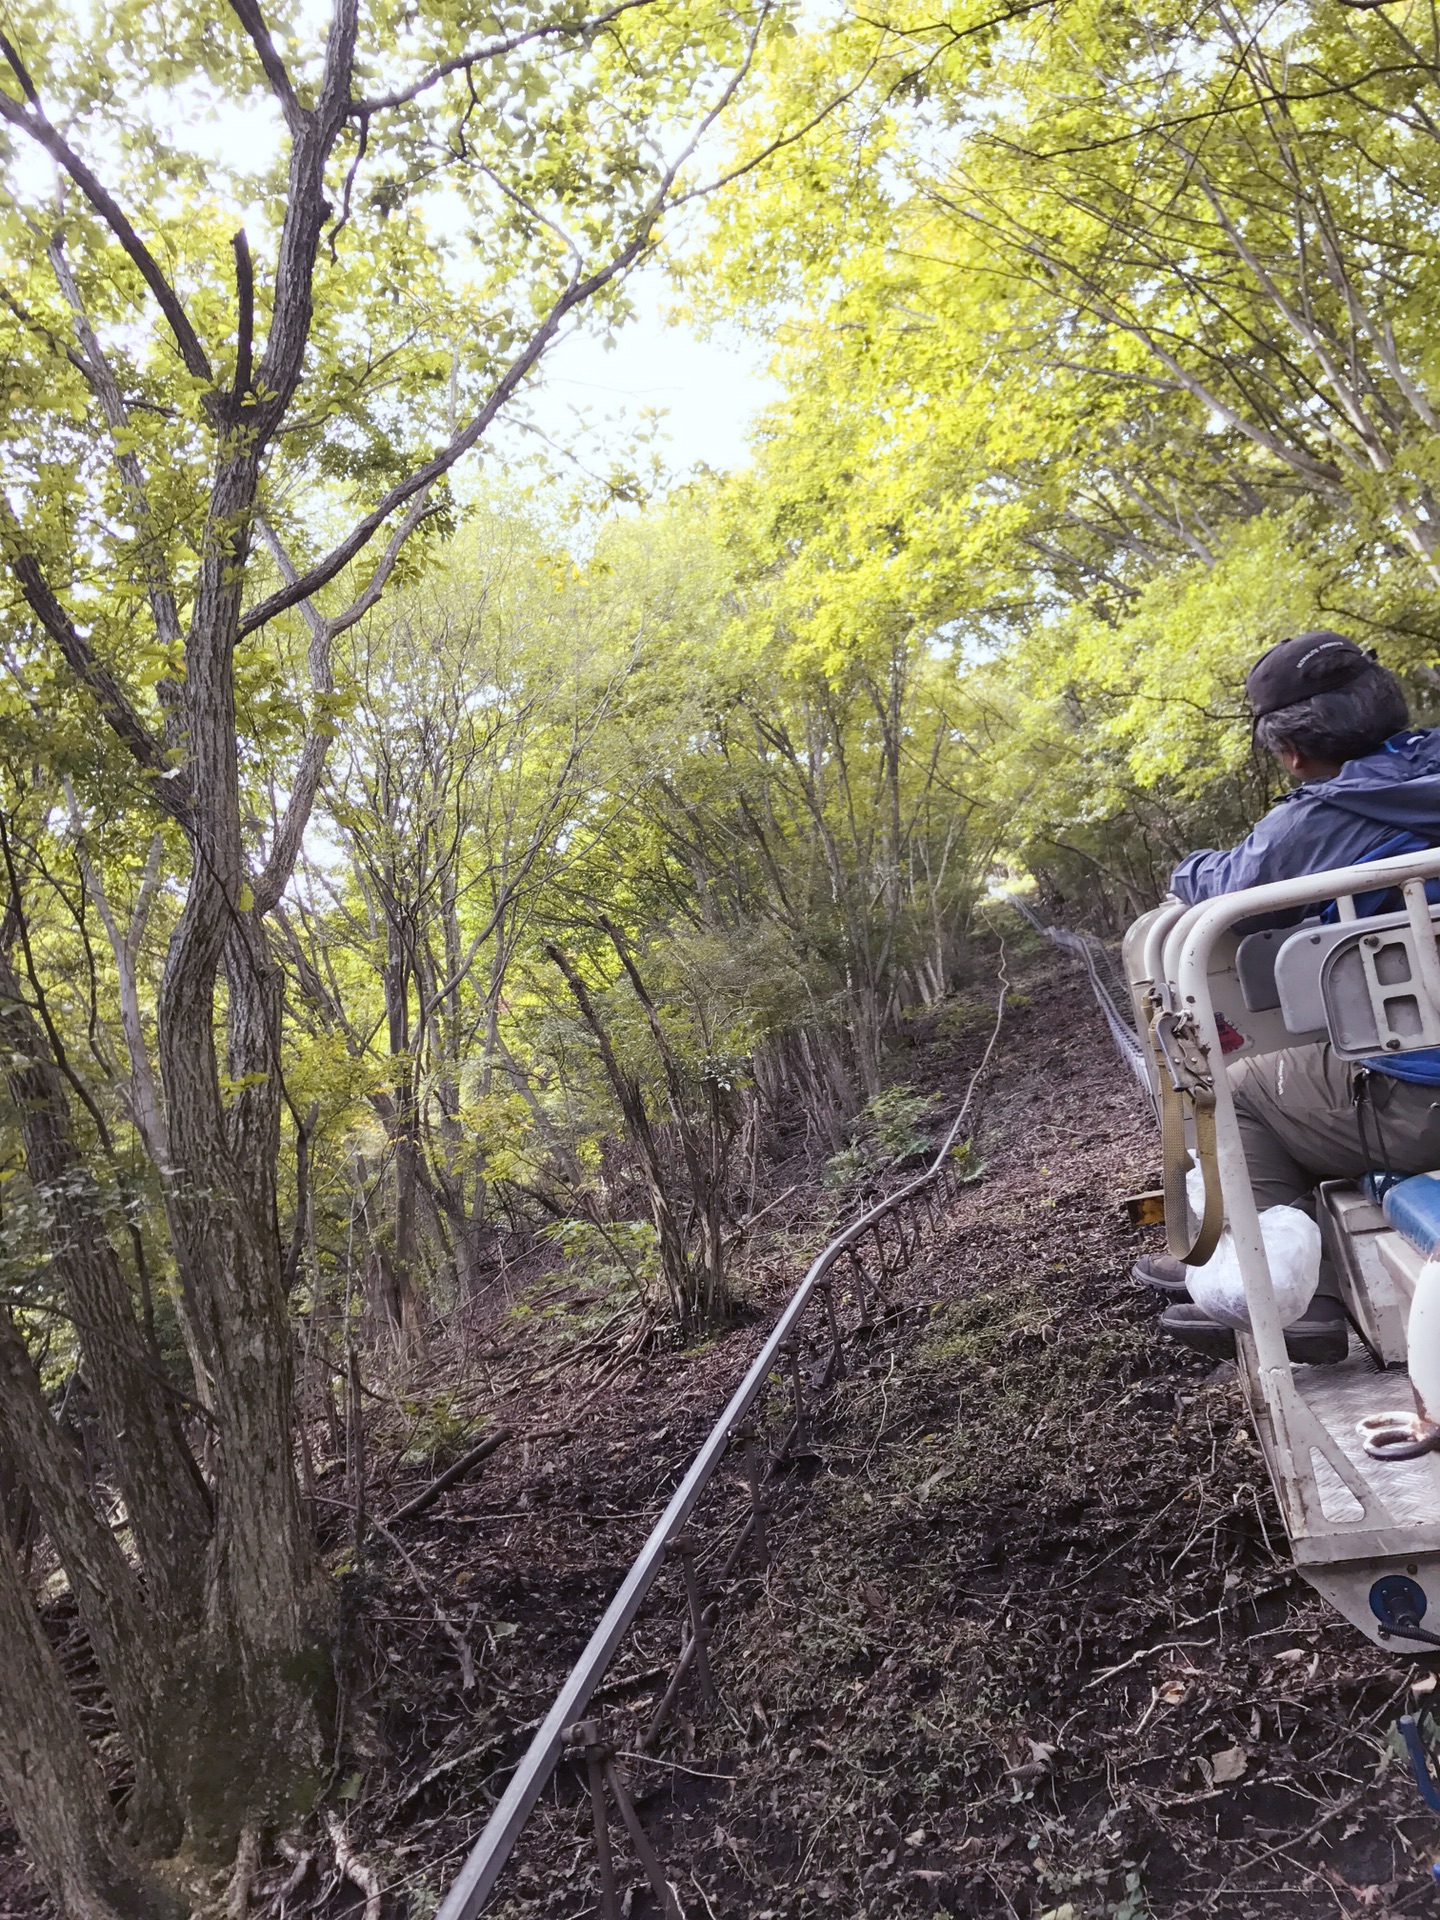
{"x":1372,"y":985}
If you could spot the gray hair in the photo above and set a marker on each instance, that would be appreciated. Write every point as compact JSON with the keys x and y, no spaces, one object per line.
{"x":1343,"y":725}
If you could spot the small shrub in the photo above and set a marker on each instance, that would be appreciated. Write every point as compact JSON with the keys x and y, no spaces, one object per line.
{"x":883,"y":1134}
{"x":438,"y":1427}
{"x":620,"y":1257}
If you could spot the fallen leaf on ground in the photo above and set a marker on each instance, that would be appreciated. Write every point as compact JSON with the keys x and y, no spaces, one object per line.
{"x":1229,"y":1764}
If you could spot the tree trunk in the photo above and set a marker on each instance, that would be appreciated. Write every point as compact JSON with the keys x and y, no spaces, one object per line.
{"x":673,"y":1261}
{"x":402,"y":1304}
{"x":107,"y":1595}
{"x":259,"y":1737}
{"x":49,"y":1779}
{"x":162,"y":1493}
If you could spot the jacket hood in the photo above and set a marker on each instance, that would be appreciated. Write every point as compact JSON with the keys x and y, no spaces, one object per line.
{"x":1397,"y":787}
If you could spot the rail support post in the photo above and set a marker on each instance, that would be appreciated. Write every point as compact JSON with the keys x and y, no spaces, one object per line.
{"x":585,"y":1735}
{"x":791,"y":1351}
{"x":879,"y":1240}
{"x":684,"y":1545}
{"x":862,"y":1290}
{"x":649,"y":1859}
{"x":837,"y":1346}
{"x":744,"y":1438}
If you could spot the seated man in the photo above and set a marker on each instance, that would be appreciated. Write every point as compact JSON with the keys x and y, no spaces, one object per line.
{"x":1368,"y":788}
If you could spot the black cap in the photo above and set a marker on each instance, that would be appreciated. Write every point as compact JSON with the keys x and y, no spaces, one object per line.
{"x":1311,"y":663}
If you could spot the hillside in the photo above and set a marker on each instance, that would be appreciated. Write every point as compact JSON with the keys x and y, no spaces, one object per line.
{"x":1029,"y":1644}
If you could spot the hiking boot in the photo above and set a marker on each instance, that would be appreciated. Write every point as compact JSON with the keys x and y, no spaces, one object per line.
{"x":1163,"y":1272}
{"x":1319,"y":1338}
{"x":1194,"y":1328}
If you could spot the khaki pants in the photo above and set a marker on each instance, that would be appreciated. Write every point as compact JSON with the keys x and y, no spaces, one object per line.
{"x":1301,"y":1124}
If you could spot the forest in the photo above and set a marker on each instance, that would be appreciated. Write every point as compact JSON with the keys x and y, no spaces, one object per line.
{"x":430,"y":869}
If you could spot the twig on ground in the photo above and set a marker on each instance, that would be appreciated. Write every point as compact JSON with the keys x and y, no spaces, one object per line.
{"x":447,"y":1626}
{"x":463,"y":1467}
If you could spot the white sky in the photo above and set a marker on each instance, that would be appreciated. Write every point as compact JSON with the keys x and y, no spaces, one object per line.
{"x":709,"y":389}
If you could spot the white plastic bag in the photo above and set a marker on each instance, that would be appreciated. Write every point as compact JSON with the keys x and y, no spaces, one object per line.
{"x":1292,"y":1247}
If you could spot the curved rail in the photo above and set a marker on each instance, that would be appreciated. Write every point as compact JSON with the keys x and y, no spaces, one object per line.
{"x":476,"y":1879}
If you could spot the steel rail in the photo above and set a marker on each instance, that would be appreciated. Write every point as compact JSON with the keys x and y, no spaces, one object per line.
{"x":487,"y":1858}
{"x":1127,"y":1041}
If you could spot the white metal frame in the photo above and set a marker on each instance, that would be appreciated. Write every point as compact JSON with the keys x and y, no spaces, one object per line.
{"x":1173,"y":954}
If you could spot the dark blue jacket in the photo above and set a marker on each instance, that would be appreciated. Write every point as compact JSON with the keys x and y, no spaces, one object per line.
{"x":1386,"y":803}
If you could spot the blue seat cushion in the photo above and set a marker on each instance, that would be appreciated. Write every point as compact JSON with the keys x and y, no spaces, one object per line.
{"x":1412,"y":1206}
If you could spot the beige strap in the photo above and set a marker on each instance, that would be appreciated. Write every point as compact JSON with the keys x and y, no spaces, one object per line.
{"x":1176,"y":1159}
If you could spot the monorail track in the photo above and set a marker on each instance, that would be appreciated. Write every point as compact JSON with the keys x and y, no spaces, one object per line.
{"x":1089,"y":952}
{"x":852,"y":1272}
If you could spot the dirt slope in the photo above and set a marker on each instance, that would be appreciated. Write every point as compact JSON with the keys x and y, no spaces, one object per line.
{"x":1028,"y":1644}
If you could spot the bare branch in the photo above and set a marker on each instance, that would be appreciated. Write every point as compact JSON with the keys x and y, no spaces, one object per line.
{"x":576,"y":292}
{"x":439,"y":464}
{"x":334,"y":104}
{"x":1198,"y":116}
{"x":532,"y":212}
{"x":286,"y":848}
{"x":171,"y":787}
{"x":1321,"y":474}
{"x":141,"y":1095}
{"x":245,"y":303}
{"x":577,"y":27}
{"x":253,"y":21}
{"x":362,"y":143}
{"x":38,"y":327}
{"x":291,"y":832}
{"x":314,"y":619}
{"x":305,"y":210}
{"x":107,"y":390}
{"x":384,"y":567}
{"x":777,"y":145}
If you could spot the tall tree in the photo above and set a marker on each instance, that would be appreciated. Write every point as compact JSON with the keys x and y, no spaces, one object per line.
{"x":240,"y":376}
